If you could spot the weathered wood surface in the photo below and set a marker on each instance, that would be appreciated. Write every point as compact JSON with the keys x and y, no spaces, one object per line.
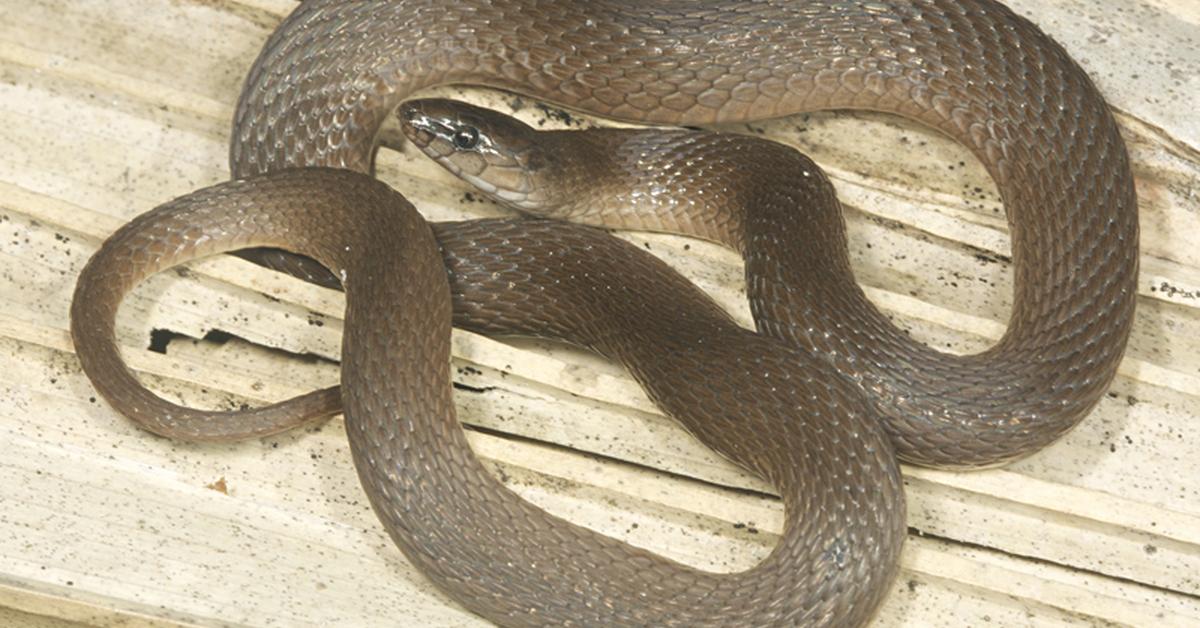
{"x":108,"y":109}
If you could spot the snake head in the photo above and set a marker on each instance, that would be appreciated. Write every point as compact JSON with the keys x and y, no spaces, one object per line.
{"x":498,"y":154}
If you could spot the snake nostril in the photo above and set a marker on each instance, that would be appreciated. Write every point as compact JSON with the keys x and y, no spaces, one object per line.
{"x":408,"y":112}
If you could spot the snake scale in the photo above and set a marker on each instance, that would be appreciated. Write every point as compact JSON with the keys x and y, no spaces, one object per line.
{"x":821,"y":401}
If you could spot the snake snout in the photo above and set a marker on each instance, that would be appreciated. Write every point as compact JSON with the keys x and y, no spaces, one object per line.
{"x":415,"y":124}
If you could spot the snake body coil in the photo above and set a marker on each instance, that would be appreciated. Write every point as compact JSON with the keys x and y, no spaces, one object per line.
{"x":972,"y":69}
{"x":333,"y":71}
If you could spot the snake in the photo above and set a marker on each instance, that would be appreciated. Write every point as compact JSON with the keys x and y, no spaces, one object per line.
{"x":822,"y":399}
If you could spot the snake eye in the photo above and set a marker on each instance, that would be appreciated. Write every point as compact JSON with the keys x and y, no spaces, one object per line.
{"x":466,"y":137}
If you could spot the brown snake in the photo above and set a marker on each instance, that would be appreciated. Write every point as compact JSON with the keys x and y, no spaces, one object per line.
{"x":773,"y":402}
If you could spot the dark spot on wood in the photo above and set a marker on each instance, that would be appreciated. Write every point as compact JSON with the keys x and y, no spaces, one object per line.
{"x":474,"y":389}
{"x":1172,"y":291}
{"x":160,"y":338}
{"x":561,"y":115}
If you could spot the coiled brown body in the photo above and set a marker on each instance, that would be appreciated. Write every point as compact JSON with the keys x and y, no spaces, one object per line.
{"x":971,"y":69}
{"x":798,"y":424}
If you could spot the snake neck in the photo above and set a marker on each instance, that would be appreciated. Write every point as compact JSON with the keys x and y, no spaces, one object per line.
{"x":681,"y":181}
